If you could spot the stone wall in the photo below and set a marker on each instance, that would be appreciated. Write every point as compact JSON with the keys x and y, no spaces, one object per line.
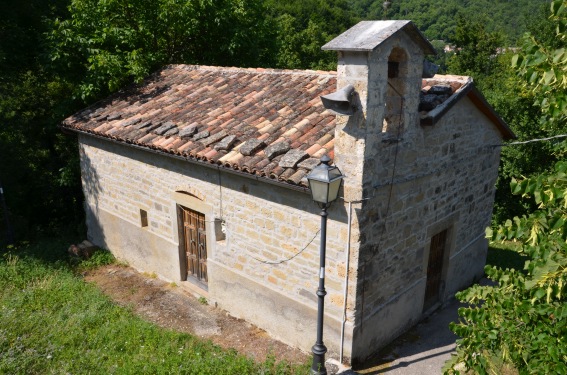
{"x":264,"y":223}
{"x":443,"y":179}
{"x":410,"y":183}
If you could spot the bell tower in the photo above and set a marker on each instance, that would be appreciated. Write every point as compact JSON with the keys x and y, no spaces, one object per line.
{"x":383,"y":61}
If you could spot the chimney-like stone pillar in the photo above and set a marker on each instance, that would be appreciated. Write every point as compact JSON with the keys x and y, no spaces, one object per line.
{"x":383,"y":60}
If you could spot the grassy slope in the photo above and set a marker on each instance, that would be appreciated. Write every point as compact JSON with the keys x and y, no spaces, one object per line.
{"x":52,"y":322}
{"x":504,"y":255}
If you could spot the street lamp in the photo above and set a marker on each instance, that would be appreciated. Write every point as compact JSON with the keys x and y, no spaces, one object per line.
{"x":324,"y":182}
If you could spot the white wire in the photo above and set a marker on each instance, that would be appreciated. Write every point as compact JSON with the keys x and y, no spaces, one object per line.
{"x":530,"y":141}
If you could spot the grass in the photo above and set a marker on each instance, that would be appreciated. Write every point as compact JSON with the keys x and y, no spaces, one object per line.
{"x":52,"y":322}
{"x":504,"y":255}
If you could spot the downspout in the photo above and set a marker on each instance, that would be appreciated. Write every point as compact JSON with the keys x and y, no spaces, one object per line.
{"x":347,"y":265}
{"x":349,"y":220}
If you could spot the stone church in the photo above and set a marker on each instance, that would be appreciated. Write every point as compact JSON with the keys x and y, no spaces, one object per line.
{"x":198,"y":174}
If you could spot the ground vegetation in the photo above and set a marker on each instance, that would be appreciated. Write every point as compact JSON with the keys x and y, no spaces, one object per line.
{"x":53,"y":321}
{"x":521,"y":321}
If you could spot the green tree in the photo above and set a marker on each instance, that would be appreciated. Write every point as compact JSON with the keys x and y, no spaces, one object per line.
{"x":104,"y":45}
{"x":438,"y":18}
{"x":476,"y":49}
{"x":544,"y":68}
{"x":303,"y":27}
{"x":523,"y":110}
{"x":35,"y":156}
{"x":522,"y":320}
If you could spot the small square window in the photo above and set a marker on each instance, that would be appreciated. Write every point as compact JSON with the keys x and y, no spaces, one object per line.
{"x":220,"y":230}
{"x":143,"y":218}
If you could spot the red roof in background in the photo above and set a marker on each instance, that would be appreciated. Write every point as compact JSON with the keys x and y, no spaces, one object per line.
{"x":261,"y":122}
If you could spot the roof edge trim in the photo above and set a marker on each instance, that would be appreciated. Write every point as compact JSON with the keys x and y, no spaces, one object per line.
{"x":479,"y":101}
{"x":68,"y":131}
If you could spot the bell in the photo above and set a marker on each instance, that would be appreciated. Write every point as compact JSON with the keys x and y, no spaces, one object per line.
{"x":339,"y":102}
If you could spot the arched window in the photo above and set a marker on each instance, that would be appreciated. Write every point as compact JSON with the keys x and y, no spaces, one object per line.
{"x":396,"y":90}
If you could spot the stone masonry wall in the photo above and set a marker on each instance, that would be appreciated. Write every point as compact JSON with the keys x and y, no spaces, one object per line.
{"x":409,"y":183}
{"x":263,"y":222}
{"x":444,"y":178}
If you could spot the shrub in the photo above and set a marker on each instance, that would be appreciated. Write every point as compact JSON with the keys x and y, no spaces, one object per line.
{"x":523,"y":319}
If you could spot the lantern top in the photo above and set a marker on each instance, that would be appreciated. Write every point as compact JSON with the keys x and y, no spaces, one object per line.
{"x":325,"y":172}
{"x":325,"y":181}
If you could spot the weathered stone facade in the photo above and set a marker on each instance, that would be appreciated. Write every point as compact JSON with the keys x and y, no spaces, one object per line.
{"x":443,"y":180}
{"x":263,"y":223}
{"x":417,"y":197}
{"x":412,"y":182}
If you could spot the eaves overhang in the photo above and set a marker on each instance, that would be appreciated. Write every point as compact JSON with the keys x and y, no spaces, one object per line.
{"x":475,"y":96}
{"x":189,"y":159}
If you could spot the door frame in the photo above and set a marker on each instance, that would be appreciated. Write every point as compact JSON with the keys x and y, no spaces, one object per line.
{"x":192,"y":202}
{"x":450,"y":225}
{"x":435,"y":295}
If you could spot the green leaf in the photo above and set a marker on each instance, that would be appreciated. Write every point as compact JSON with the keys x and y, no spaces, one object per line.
{"x":537,"y":58}
{"x":548,"y":77}
{"x":558,"y":224}
{"x":517,"y":61}
{"x":559,"y":55}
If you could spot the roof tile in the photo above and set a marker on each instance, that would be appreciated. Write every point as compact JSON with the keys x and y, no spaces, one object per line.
{"x":251,"y":146}
{"x":202,"y":112}
{"x":276,"y":149}
{"x":201,"y":135}
{"x":292,"y":158}
{"x":226,"y":143}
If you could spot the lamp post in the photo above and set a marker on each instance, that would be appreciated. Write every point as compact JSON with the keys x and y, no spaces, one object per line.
{"x":324,"y":182}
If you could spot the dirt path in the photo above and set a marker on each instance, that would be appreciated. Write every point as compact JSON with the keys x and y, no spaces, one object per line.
{"x":172,"y":307}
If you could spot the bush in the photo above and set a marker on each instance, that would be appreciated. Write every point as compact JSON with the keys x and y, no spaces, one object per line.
{"x":523,"y":319}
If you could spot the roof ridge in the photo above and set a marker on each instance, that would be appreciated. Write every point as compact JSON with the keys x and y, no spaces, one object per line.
{"x":274,"y":71}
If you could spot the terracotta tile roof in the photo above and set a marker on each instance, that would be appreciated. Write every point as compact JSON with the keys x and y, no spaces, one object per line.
{"x":261,"y":122}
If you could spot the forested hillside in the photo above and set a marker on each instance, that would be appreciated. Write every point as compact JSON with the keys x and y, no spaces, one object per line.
{"x":438,"y":18}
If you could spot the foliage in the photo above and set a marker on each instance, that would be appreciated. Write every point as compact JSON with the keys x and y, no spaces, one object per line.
{"x":527,"y":112}
{"x":51,"y":321}
{"x":39,"y":166}
{"x":523,"y":320}
{"x":107,"y":44}
{"x":98,"y":259}
{"x":475,"y":49}
{"x":544,"y":68}
{"x":303,"y":27}
{"x":438,"y":18}
{"x":505,"y":93}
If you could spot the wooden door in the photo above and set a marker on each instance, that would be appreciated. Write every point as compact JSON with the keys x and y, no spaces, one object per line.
{"x":435,"y":269}
{"x":195,"y":244}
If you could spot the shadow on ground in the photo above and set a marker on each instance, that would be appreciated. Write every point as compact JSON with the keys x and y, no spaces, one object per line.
{"x":423,"y":350}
